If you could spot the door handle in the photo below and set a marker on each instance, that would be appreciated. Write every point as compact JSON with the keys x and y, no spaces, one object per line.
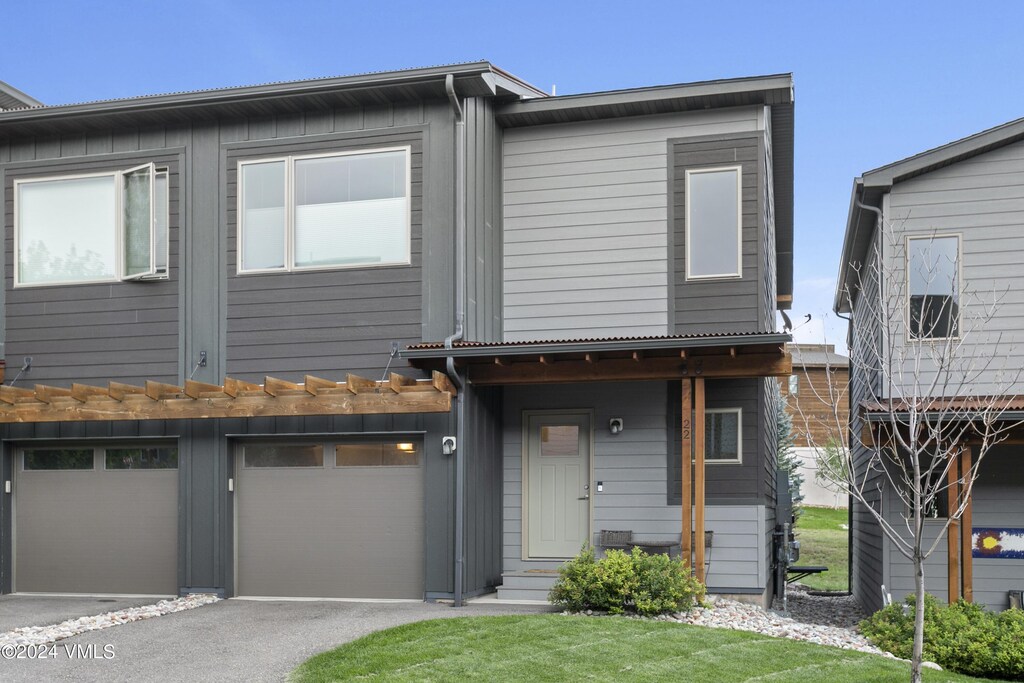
{"x":586,"y":497}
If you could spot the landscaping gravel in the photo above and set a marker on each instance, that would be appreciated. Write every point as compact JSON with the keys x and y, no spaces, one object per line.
{"x":822,"y":620}
{"x":43,"y":635}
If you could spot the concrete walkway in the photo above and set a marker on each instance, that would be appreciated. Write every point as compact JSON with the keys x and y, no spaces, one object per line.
{"x":232,"y":640}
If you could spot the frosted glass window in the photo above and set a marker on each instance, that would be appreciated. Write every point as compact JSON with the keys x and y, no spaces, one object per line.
{"x":713,"y":223}
{"x":933,"y":275}
{"x":66,"y":230}
{"x":262,"y":226}
{"x":138,"y":221}
{"x":326,"y":211}
{"x":722,"y":436}
{"x":162,"y":216}
{"x":560,"y":440}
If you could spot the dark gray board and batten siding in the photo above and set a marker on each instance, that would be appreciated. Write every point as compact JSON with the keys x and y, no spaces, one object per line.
{"x":93,"y":333}
{"x":722,"y":304}
{"x":330,"y":321}
{"x":200,"y":292}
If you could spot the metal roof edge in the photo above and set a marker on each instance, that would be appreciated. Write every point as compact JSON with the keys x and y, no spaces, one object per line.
{"x":594,"y":346}
{"x":839,"y":305}
{"x":977,"y":143}
{"x":282,"y":89}
{"x":12,"y":92}
{"x":655,"y":92}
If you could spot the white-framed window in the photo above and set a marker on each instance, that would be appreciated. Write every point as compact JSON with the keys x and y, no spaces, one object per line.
{"x":96,"y":227}
{"x":933,"y":286}
{"x":714,"y":246}
{"x":794,"y":385}
{"x":723,"y":435}
{"x":325,"y":211}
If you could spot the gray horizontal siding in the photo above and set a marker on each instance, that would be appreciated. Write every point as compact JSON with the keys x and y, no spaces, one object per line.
{"x":586,"y":223}
{"x":95,"y":333}
{"x":981,"y":199}
{"x":632,"y":466}
{"x":326,"y":322}
{"x":723,"y":305}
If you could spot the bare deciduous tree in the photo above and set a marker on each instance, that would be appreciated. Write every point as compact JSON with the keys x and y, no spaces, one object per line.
{"x":928,"y":379}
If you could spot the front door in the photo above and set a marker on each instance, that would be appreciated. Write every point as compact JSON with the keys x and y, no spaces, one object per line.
{"x":558,"y":483}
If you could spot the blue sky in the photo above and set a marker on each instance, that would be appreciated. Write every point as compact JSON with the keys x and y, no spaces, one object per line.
{"x":875,"y":81}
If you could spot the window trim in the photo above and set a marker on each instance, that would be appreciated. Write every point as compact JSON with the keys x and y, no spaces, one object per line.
{"x":738,"y":460}
{"x":932,"y":236}
{"x":118,"y":227}
{"x":289,"y":211}
{"x":687,"y":237}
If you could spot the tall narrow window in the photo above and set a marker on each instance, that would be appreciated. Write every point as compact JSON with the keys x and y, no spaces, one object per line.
{"x":722,"y":430}
{"x":933,"y":285}
{"x":713,"y":230}
{"x":325,"y":211}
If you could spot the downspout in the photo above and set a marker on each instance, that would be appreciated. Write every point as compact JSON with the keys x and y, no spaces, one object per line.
{"x":460,"y":314}
{"x":849,"y":501}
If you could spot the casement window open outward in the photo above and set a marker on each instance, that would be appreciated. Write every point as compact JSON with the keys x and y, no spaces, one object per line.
{"x":99,"y":227}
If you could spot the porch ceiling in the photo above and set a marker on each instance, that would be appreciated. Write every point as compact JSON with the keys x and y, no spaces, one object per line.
{"x":234,"y":398}
{"x":608,"y":360}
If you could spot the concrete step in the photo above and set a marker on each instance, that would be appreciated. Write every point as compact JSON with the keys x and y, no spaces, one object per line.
{"x":526,"y":585}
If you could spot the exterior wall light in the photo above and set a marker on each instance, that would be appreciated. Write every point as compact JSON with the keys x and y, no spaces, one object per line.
{"x":615,"y":425}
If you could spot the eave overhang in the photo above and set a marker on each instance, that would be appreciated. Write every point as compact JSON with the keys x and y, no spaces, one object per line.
{"x":608,"y":360}
{"x":373,"y":89}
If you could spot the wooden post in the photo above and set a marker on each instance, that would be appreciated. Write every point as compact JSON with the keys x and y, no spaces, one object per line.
{"x":967,"y":531}
{"x":698,"y":479}
{"x":686,"y":504}
{"x":952,"y":538}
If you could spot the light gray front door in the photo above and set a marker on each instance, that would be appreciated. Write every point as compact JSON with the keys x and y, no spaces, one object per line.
{"x":557,"y":468}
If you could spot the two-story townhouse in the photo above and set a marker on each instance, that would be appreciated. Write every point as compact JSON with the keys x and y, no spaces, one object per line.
{"x":573,"y":276}
{"x":932,"y":242}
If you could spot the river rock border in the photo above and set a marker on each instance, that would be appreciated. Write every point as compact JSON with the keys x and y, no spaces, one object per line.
{"x":43,"y":635}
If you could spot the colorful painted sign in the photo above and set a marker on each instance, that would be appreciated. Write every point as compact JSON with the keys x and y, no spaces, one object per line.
{"x":1003,"y":543}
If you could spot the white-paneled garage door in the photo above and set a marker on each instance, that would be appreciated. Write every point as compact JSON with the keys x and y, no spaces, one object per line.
{"x":91,"y":519}
{"x":330,"y":519}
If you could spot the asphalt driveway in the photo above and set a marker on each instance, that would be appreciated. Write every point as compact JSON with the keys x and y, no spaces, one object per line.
{"x":232,"y":640}
{"x":17,"y":611}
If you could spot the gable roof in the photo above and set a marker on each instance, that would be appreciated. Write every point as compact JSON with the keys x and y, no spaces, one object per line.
{"x":869,"y":188}
{"x":12,"y":98}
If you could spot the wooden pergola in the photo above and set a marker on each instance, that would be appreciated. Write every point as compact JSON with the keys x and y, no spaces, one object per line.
{"x":234,"y":398}
{"x":688,"y":359}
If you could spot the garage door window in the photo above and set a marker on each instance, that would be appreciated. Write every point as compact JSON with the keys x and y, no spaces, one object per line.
{"x":280,"y":455}
{"x":59,"y":459}
{"x":377,"y":454}
{"x":141,"y":459}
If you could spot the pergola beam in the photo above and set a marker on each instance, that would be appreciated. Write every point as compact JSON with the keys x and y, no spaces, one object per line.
{"x":235,"y":398}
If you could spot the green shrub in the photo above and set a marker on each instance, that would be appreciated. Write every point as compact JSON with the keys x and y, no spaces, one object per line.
{"x":619,"y":582}
{"x":961,"y":637}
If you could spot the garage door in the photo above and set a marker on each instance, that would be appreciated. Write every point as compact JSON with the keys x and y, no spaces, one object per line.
{"x":341,"y":520}
{"x":96,"y":520}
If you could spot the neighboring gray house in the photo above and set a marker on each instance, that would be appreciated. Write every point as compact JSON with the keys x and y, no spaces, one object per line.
{"x":954,"y":213}
{"x":527,"y":255}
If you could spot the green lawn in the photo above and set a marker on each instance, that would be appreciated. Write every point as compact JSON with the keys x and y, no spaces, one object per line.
{"x":824,"y":541}
{"x":554,"y":647}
